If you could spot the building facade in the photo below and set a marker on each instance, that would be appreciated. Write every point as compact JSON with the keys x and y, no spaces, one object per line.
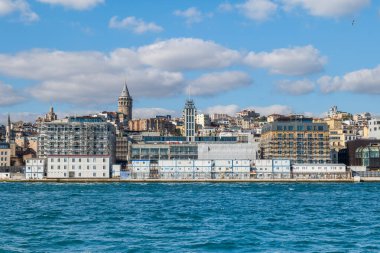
{"x":35,"y":168}
{"x":76,"y":136}
{"x":189,"y":113}
{"x":374,"y":128}
{"x":5,"y":154}
{"x":78,"y":166}
{"x":297,"y":139}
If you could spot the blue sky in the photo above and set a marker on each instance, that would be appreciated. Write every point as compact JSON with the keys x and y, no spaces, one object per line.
{"x":285,"y":56}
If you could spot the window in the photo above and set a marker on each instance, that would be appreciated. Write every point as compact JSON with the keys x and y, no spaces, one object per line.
{"x":94,"y":174}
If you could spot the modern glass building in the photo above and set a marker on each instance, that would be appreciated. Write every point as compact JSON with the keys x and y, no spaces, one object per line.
{"x":369,"y":156}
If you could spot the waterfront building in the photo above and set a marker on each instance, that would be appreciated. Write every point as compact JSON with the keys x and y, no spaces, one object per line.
{"x":349,"y":157}
{"x":76,"y":136}
{"x":125,"y":103}
{"x":374,"y":128}
{"x":5,"y":154}
{"x":140,"y":169}
{"x":271,"y":169}
{"x":78,"y":166}
{"x":189,"y":113}
{"x":369,"y":156}
{"x":320,"y":171}
{"x":35,"y":168}
{"x":297,"y":139}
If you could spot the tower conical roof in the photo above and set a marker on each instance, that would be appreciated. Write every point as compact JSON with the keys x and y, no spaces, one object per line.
{"x":125,"y":91}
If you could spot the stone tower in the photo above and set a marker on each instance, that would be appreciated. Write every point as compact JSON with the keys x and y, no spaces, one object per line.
{"x":125,"y":103}
{"x":8,"y":134}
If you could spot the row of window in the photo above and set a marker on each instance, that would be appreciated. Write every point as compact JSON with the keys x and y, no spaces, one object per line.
{"x":74,"y":159}
{"x":4,"y":153}
{"x":73,"y":167}
{"x":3,"y":158}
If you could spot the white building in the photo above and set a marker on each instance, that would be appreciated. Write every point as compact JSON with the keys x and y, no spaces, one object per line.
{"x":320,"y":171}
{"x":78,"y":166}
{"x":140,"y":169}
{"x":374,"y":128}
{"x":203,"y":120}
{"x":272,"y":169}
{"x":35,"y":168}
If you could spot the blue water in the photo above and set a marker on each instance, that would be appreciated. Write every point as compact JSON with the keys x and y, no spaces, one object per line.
{"x":194,"y":217}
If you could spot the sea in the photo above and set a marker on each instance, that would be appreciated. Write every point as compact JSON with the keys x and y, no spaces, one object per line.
{"x":189,"y":217}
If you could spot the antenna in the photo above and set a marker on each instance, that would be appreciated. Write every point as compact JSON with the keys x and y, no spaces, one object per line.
{"x":189,"y":92}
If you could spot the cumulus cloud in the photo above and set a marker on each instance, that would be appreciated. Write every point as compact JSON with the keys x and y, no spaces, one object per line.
{"x":296,"y":88}
{"x":187,"y":54}
{"x":328,"y":8}
{"x":74,"y":4}
{"x":219,"y":82}
{"x":258,"y":10}
{"x":88,"y":77}
{"x":138,"y":26}
{"x":366,"y":81}
{"x":192,"y":15}
{"x":143,"y":113}
{"x":272,"y":109}
{"x":8,"y":96}
{"x":8,"y":7}
{"x":288,"y":61}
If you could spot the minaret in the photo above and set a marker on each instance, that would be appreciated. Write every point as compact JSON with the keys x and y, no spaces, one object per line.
{"x":189,"y":113}
{"x":125,"y":103}
{"x":8,"y":133}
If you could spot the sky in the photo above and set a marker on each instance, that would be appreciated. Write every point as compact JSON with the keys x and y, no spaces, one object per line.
{"x":274,"y":56}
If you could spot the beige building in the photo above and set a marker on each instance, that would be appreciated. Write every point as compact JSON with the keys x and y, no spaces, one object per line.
{"x":5,"y":154}
{"x":297,"y":139}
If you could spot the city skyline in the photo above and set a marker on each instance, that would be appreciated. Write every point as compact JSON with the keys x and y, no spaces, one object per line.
{"x":76,"y":55}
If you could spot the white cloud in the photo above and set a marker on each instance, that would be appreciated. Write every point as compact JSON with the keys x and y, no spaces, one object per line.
{"x":272,"y":109}
{"x":143,"y":113}
{"x":366,"y":81}
{"x":289,"y":61}
{"x":226,"y":109}
{"x":258,"y":10}
{"x":187,"y":54}
{"x":138,"y":26}
{"x":192,"y":15}
{"x":8,"y":96}
{"x":8,"y":7}
{"x":74,"y":4}
{"x":296,"y":88}
{"x":88,"y":77}
{"x":328,"y":8}
{"x":220,"y":82}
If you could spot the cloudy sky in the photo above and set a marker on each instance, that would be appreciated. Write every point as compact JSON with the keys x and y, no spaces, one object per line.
{"x":285,"y":56}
